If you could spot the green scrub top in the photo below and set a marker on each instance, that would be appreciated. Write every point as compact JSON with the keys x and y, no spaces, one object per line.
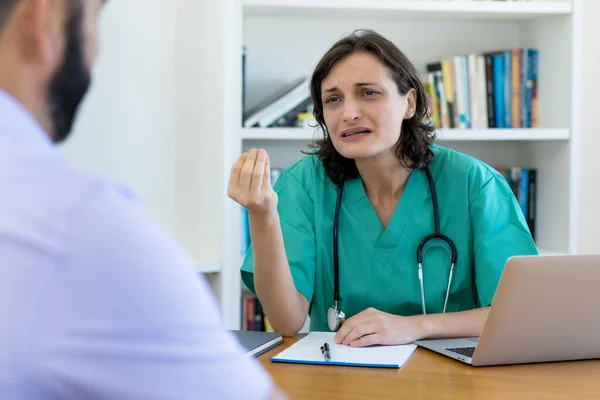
{"x":378,"y":267}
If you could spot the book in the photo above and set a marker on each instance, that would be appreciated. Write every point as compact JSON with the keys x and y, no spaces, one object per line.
{"x":523,"y":183}
{"x":256,"y":342}
{"x":308,"y":351}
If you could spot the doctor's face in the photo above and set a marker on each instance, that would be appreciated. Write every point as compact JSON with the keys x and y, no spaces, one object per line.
{"x":362,"y":107}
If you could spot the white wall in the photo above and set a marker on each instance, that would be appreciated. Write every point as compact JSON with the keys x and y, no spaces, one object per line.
{"x":590,"y":131}
{"x":204,"y":126}
{"x":125,"y":128}
{"x":200,"y":126}
{"x":154,"y":118}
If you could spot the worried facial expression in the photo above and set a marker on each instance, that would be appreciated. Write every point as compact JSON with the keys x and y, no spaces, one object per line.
{"x":362,"y":107}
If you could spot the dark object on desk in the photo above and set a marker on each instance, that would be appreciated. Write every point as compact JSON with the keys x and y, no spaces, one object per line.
{"x":256,"y":342}
{"x":325,"y":351}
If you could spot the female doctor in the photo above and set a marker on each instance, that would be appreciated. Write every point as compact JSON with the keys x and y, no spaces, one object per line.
{"x":380,"y":234}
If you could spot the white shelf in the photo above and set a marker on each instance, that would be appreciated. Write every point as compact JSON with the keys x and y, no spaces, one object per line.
{"x":306,"y":134}
{"x":537,"y":134}
{"x":407,"y":8}
{"x":203,"y":267}
{"x":309,"y":134}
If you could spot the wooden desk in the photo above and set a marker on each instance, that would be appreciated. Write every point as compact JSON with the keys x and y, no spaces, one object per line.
{"x":427,"y":375}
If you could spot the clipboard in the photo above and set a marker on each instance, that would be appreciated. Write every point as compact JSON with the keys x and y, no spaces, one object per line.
{"x":308,"y":351}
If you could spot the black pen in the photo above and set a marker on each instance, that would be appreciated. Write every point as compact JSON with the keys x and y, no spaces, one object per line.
{"x":325,"y":351}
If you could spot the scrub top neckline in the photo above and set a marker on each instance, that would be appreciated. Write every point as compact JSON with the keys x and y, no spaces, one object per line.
{"x":357,"y":203}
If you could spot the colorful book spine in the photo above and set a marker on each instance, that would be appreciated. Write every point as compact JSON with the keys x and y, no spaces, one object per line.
{"x":253,"y":317}
{"x":523,"y":182}
{"x":497,"y":89}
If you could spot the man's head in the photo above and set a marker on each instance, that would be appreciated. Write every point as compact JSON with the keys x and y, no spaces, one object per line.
{"x":47,"y":49}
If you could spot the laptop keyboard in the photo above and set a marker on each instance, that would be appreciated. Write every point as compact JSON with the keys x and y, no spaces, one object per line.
{"x":465,"y":351}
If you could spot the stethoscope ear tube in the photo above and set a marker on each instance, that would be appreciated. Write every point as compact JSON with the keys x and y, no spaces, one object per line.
{"x":336,"y":266}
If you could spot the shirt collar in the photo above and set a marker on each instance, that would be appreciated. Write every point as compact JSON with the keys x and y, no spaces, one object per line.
{"x":20,"y":132}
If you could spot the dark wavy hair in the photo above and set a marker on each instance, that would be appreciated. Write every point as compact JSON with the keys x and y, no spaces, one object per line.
{"x":417,"y":135}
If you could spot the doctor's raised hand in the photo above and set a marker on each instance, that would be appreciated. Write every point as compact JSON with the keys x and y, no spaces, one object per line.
{"x":250,"y":186}
{"x":384,"y":236}
{"x":249,"y":183}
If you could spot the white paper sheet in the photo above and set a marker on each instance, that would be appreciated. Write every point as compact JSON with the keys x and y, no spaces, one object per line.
{"x":308,"y":351}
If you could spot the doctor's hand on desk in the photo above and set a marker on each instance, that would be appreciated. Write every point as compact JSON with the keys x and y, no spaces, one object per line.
{"x":377,"y":327}
{"x":250,"y":183}
{"x":372,"y":327}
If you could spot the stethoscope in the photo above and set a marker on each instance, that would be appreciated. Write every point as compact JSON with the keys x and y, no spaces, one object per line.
{"x":335,"y":316}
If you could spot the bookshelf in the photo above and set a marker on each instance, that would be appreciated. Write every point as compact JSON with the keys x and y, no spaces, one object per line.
{"x":285,"y":39}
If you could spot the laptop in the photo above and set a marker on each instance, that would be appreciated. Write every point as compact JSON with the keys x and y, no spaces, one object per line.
{"x":546,"y":308}
{"x":256,"y":342}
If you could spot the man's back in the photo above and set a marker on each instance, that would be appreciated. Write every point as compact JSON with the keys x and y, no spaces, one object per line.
{"x":96,"y":300}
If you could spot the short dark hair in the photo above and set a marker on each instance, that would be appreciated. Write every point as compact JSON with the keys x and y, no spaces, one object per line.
{"x":6,"y":9}
{"x":417,"y":134}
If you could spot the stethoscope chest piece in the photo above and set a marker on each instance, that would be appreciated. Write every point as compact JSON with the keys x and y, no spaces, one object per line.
{"x":335,"y":317}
